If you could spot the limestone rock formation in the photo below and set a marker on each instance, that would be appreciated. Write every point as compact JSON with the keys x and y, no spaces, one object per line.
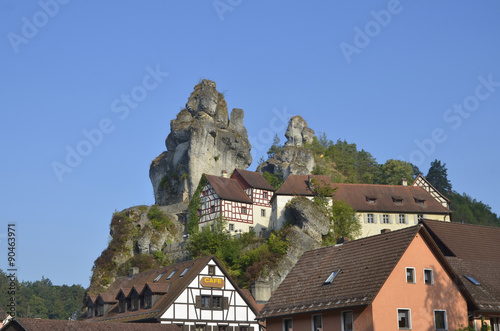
{"x":203,"y":139}
{"x":308,"y":217}
{"x":294,"y":158}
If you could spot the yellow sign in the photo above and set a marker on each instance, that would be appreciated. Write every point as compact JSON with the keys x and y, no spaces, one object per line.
{"x":212,"y":282}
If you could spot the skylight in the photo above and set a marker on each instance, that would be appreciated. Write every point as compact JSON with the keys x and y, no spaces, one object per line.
{"x":158,"y":278}
{"x":330,"y":278}
{"x":472,"y":280}
{"x":170,"y":276}
{"x":184,"y":272}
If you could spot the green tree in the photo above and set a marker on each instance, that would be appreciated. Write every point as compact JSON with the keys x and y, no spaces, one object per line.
{"x":344,"y":222}
{"x":275,"y":147}
{"x":276,"y":180}
{"x":438,"y":176}
{"x":393,"y":171}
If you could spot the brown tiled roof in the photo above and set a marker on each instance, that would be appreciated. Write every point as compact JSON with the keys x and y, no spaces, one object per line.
{"x":364,"y":268}
{"x":107,"y":297}
{"x":472,"y":250}
{"x":299,"y":184}
{"x":31,"y":324}
{"x":356,"y":195}
{"x":228,"y":189}
{"x":253,"y":179}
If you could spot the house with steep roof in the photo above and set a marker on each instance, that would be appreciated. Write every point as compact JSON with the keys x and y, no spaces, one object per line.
{"x":379,"y":207}
{"x":473,"y":252}
{"x":398,"y":280}
{"x":242,"y":200}
{"x":193,"y":295}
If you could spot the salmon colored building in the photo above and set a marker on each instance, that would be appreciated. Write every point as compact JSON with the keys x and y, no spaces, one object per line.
{"x":394,"y":281}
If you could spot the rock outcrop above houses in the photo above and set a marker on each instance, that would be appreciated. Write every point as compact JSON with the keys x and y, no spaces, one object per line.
{"x":293,"y":158}
{"x":203,"y":139}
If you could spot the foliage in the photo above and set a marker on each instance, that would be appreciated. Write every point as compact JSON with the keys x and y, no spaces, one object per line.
{"x":468,"y":210}
{"x":42,"y":298}
{"x":484,"y":327}
{"x":392,"y":171}
{"x":245,"y":257}
{"x":344,"y":220}
{"x":159,"y":219}
{"x":438,"y":176}
{"x":276,"y":180}
{"x":275,"y":148}
{"x":194,"y":206}
{"x":323,"y":193}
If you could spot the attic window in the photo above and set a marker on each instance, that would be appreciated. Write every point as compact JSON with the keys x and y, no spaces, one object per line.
{"x":184,"y":272}
{"x":158,"y":278}
{"x":371,"y":200}
{"x":419,"y":201}
{"x":330,"y":278}
{"x":397,"y":201}
{"x":472,"y":280}
{"x":170,"y":276}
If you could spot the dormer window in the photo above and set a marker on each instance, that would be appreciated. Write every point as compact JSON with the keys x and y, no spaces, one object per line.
{"x":419,"y":202}
{"x":123,"y":305}
{"x":397,"y":201}
{"x":332,"y":276}
{"x":371,"y":200}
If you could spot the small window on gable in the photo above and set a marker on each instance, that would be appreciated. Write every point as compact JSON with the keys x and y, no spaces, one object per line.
{"x":410,"y":275}
{"x":265,"y":195}
{"x":158,"y":278}
{"x":211,"y":270}
{"x":184,"y":272}
{"x":428,"y":277}
{"x":332,"y":276}
{"x":472,"y":280}
{"x":243,"y":210}
{"x":173,"y":273}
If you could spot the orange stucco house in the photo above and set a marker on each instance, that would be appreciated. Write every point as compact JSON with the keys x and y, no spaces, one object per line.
{"x":393,"y":281}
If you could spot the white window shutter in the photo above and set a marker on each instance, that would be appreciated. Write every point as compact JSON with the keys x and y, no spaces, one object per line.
{"x":365,"y":218}
{"x":375,"y":217}
{"x":415,"y":219}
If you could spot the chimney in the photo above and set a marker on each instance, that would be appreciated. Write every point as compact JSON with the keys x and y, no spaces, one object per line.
{"x":261,"y":291}
{"x":385,"y":231}
{"x":224,"y":174}
{"x":133,"y":271}
{"x":342,"y":240}
{"x":404,"y":182}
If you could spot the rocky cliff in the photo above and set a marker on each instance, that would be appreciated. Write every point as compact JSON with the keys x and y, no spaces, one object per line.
{"x":203,"y":139}
{"x":293,"y":158}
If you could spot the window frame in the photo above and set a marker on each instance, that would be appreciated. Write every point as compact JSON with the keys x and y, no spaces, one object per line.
{"x":432,"y":276}
{"x":343,"y":319}
{"x":370,"y":218}
{"x":285,"y":324}
{"x":445,"y":319}
{"x":211,"y":270}
{"x":231,"y":227}
{"x":384,"y":219}
{"x":262,"y":212}
{"x":264,"y":194}
{"x":413,"y":275}
{"x":404,"y":219}
{"x":244,"y":210}
{"x":313,"y":322}
{"x":408,"y":310}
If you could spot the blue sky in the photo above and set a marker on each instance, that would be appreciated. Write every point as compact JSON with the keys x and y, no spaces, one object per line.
{"x":89,"y":89}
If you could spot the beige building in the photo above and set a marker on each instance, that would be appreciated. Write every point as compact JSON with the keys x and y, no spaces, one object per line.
{"x":379,"y":207}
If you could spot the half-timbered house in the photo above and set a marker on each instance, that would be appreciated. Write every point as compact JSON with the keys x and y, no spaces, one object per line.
{"x":242,"y":200}
{"x":195,"y":295}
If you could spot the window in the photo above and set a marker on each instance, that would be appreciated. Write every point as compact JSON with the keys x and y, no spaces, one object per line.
{"x":369,"y":218}
{"x":205,"y":301}
{"x":330,"y":278}
{"x":211,"y":270}
{"x":287,"y":324}
{"x":211,"y":302}
{"x":317,"y":323}
{"x":243,"y":210}
{"x":184,"y":272}
{"x":135,"y":303}
{"x":410,"y":275}
{"x":347,"y":321}
{"x":231,"y":227}
{"x":148,"y":298}
{"x":212,"y":209}
{"x":420,"y":217}
{"x":402,"y":219}
{"x":223,"y":328}
{"x":419,"y":201}
{"x":263,"y":212}
{"x":397,"y":201}
{"x":170,"y":276}
{"x":123,"y":305}
{"x":440,"y":320}
{"x":371,"y":201}
{"x":265,"y":195}
{"x":158,"y":278}
{"x":385,"y":219}
{"x":404,"y":319}
{"x":428,"y":277}
{"x":250,"y":229}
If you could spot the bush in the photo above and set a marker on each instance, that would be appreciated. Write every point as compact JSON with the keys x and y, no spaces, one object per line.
{"x":159,"y":219}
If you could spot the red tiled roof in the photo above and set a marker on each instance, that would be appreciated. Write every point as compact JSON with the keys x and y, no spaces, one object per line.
{"x":299,"y":184}
{"x":228,"y":189}
{"x":32,"y":324}
{"x":108,"y":297}
{"x":253,"y":179}
{"x":363,"y":266}
{"x":472,"y":250}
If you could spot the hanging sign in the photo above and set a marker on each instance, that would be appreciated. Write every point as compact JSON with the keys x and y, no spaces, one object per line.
{"x":212,"y":282}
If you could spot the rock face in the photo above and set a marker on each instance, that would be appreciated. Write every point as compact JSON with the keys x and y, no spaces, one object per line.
{"x":294,"y":158}
{"x":203,"y":139}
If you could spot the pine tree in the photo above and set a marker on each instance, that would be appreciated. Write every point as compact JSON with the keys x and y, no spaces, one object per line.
{"x":438,"y":176}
